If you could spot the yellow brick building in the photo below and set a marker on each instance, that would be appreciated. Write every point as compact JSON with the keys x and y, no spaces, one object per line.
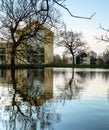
{"x":38,"y":51}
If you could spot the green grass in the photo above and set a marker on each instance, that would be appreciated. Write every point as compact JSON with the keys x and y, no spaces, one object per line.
{"x":77,"y":66}
{"x":32,"y":66}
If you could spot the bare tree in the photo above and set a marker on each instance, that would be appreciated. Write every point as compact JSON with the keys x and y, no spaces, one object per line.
{"x":103,"y":37}
{"x":72,"y":42}
{"x":106,"y":55}
{"x":22,"y":20}
{"x":15,"y":15}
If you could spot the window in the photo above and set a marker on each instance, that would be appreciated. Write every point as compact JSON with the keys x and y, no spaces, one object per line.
{"x":2,"y":55}
{"x":36,"y":53}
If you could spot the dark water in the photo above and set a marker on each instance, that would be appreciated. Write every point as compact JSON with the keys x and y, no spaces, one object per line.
{"x":54,"y":99}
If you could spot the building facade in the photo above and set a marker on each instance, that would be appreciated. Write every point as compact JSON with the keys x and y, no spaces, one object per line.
{"x":38,"y":49}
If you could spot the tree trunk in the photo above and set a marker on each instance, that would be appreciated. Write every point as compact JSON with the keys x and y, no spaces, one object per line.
{"x":73,"y":56}
{"x":13,"y":57}
{"x":73,"y":59}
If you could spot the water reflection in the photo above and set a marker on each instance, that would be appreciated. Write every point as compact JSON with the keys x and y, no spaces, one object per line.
{"x":23,"y":102}
{"x":72,"y":83}
{"x":88,"y":107}
{"x":54,"y":99}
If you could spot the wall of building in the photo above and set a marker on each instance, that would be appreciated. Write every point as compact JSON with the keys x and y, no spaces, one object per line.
{"x":22,"y":49}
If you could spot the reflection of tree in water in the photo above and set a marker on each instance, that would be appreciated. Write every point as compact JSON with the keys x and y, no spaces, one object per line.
{"x":47,"y":116}
{"x":105,"y":75}
{"x":92,"y":73}
{"x":72,"y":86}
{"x":86,"y":74}
{"x":25,"y":113}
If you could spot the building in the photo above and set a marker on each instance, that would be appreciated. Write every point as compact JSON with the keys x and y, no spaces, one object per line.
{"x":86,"y":58}
{"x":39,"y":49}
{"x":69,"y":60}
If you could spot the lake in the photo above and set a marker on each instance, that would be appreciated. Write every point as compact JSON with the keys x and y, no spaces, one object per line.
{"x":54,"y":99}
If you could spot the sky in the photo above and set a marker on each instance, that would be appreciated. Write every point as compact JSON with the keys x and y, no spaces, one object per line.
{"x":89,"y":28}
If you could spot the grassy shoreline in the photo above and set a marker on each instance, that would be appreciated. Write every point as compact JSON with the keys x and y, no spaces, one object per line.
{"x":35,"y":66}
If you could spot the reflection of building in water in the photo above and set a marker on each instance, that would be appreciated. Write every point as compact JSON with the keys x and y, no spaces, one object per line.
{"x":26,"y":106}
{"x":35,"y":83}
{"x":2,"y":76}
{"x":40,"y":84}
{"x":33,"y":86}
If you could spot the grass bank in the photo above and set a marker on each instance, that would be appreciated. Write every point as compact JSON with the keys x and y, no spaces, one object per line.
{"x":77,"y":66}
{"x":35,"y":66}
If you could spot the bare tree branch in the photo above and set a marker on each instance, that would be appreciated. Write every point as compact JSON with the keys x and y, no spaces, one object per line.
{"x":63,"y":6}
{"x":104,"y":37}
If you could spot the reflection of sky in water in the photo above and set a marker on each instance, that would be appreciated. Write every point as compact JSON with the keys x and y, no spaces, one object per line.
{"x":91,"y":110}
{"x":6,"y":91}
{"x":84,"y":115}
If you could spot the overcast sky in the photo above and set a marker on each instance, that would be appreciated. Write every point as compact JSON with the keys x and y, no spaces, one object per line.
{"x":90,"y":28}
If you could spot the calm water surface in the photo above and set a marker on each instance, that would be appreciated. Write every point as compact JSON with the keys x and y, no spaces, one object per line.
{"x":54,"y":99}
